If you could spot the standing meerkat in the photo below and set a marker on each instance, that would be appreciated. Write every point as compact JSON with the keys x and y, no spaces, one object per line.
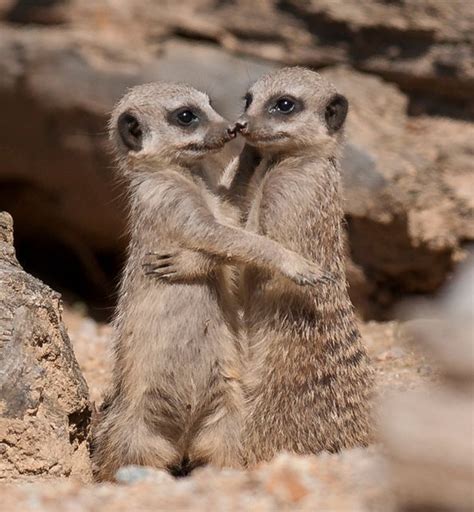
{"x":308,"y":379}
{"x":176,"y":401}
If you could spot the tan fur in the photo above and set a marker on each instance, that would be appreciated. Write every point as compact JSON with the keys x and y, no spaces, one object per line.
{"x":176,"y":401}
{"x":308,"y":380}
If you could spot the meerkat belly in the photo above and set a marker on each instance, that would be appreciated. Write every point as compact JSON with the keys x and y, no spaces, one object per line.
{"x":182,"y":344}
{"x":304,"y":342}
{"x":274,"y":307}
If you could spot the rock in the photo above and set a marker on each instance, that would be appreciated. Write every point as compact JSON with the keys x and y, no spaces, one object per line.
{"x":134,"y":474}
{"x":44,"y":12}
{"x":428,"y":432}
{"x":44,"y":406}
{"x":400,"y":364}
{"x":425,"y":47}
{"x":406,"y":231}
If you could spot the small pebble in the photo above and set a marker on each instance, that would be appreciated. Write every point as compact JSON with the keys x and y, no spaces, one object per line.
{"x":132,"y":474}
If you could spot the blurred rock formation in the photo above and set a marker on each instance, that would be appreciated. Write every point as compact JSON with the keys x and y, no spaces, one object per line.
{"x":406,"y":66}
{"x":429,"y":432}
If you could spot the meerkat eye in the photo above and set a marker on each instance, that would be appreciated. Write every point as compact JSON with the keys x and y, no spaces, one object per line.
{"x":248,"y":98}
{"x":130,"y":131}
{"x":285,"y":105}
{"x":186,"y":117}
{"x":336,"y":112}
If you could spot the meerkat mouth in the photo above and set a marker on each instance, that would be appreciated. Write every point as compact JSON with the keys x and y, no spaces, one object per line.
{"x":260,"y":138}
{"x":204,"y":148}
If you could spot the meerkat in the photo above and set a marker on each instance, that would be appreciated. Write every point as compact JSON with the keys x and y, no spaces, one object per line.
{"x":308,"y":380}
{"x":176,"y":401}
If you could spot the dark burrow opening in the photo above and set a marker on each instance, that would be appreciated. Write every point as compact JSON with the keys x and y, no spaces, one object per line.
{"x":85,"y":277}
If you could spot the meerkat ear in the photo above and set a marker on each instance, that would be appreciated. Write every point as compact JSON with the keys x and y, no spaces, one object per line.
{"x":130,"y":131}
{"x":336,"y":112}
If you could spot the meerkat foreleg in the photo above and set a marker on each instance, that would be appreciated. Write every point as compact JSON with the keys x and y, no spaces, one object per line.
{"x":236,"y":178}
{"x":197,"y":229}
{"x":235,"y":246}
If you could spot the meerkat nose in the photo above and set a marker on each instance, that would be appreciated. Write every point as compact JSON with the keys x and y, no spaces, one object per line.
{"x":232,"y":132}
{"x":241,"y":126}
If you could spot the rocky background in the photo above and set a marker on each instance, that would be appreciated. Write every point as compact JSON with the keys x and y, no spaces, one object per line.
{"x":407,"y":67}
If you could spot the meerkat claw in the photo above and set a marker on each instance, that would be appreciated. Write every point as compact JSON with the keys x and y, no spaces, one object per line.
{"x":327,"y":278}
{"x":160,"y":255}
{"x":167,"y":276}
{"x":163,"y":271}
{"x":153,"y":270}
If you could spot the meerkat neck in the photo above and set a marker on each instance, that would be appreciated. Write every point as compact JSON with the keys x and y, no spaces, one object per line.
{"x":316,"y":152}
{"x":272,"y":159}
{"x":197,"y":172}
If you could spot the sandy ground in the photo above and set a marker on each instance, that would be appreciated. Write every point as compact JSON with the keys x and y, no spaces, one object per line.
{"x":355,"y":480}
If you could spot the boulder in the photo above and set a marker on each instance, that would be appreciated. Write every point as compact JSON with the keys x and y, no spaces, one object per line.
{"x":408,"y":191}
{"x":428,"y":432}
{"x":44,"y":406}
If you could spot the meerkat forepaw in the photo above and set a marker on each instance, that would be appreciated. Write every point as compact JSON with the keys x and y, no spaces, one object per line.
{"x":314,"y":280}
{"x":159,"y":265}
{"x":178,"y":265}
{"x":312,"y":275}
{"x":162,"y":271}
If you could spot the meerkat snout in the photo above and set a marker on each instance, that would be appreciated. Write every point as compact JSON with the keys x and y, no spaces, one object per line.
{"x":166,"y":123}
{"x":291,"y":109}
{"x":240,"y":126}
{"x":232,"y":131}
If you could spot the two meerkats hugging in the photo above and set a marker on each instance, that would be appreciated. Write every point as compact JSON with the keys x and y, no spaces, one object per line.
{"x":234,"y":334}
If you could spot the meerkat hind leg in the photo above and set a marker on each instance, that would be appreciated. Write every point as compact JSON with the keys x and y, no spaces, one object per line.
{"x":219,"y":442}
{"x":123,"y":443}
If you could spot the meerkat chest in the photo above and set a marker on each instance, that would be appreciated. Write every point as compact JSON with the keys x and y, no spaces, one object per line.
{"x":255,"y":194}
{"x":289,"y":202}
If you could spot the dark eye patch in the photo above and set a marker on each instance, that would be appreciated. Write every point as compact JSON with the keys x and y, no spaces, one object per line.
{"x":336,"y":112}
{"x":130,"y":131}
{"x":186,"y":117}
{"x":248,"y":98}
{"x":284,"y":104}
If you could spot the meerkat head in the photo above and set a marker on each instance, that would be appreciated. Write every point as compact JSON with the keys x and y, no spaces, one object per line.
{"x":162,"y":123}
{"x":291,"y":109}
